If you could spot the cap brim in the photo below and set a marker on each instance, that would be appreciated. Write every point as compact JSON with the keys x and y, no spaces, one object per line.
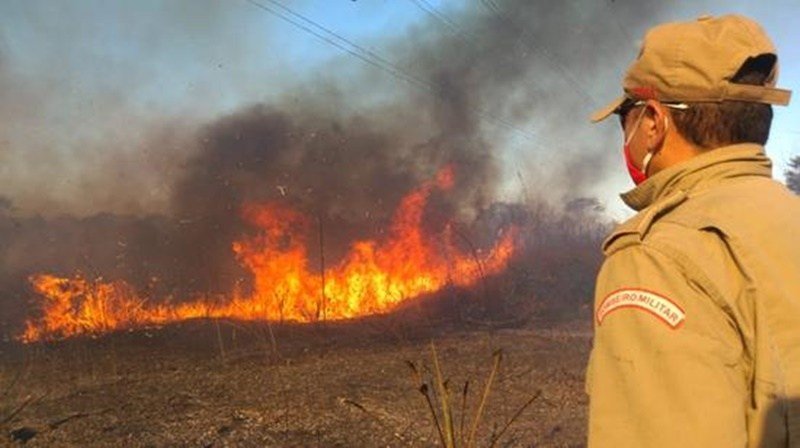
{"x":603,"y":113}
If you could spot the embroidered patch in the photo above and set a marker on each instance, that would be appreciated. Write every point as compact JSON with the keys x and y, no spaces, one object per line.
{"x":655,"y":304}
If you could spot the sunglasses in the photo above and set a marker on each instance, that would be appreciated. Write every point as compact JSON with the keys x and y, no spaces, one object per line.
{"x":627,"y":106}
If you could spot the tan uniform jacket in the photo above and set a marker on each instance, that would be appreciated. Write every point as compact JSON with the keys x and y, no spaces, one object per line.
{"x":697,"y":311}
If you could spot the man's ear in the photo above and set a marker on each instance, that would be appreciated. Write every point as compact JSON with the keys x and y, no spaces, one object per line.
{"x":657,"y":124}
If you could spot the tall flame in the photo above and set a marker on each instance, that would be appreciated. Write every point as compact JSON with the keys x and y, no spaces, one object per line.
{"x":374,"y":277}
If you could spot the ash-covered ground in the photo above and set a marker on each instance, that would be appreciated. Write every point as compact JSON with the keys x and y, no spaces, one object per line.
{"x":223,"y":383}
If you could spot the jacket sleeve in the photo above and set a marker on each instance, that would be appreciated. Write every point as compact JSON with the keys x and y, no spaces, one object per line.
{"x":666,"y":368}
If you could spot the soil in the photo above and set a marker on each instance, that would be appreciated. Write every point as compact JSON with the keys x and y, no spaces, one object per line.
{"x":222,"y":383}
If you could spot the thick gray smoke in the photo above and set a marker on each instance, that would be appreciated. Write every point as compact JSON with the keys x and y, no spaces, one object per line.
{"x":494,"y":72}
{"x":343,"y":148}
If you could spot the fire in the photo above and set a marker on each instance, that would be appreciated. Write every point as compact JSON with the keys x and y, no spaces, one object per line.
{"x":374,"y":277}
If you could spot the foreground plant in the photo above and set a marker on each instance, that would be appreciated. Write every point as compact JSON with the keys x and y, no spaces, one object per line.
{"x":439,"y":388}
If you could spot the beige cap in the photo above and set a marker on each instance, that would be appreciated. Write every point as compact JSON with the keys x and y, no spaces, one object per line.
{"x":695,"y":62}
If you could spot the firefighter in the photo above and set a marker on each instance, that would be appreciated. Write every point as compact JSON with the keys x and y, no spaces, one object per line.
{"x":697,"y":304}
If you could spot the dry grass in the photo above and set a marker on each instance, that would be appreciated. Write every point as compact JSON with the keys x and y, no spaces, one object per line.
{"x":450,"y":435}
{"x":332,"y":386}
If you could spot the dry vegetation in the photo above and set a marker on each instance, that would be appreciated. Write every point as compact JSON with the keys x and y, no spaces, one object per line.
{"x":349,"y":384}
{"x":223,"y":383}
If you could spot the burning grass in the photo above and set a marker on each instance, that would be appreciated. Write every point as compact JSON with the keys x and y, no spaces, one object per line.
{"x":374,"y":277}
{"x":317,"y":357}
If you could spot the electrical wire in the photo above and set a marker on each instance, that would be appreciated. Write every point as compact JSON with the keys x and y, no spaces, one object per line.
{"x":567,"y":76}
{"x":341,"y":43}
{"x":373,"y":59}
{"x":435,"y":13}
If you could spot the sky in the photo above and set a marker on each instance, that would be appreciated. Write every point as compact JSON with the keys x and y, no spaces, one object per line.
{"x":100,"y":100}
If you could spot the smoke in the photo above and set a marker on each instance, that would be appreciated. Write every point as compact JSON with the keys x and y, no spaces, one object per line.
{"x":149,"y":192}
{"x":492,"y":74}
{"x":97,"y":111}
{"x":110,"y":109}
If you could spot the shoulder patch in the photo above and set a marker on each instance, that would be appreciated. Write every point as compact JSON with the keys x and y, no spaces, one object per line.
{"x":659,"y":306}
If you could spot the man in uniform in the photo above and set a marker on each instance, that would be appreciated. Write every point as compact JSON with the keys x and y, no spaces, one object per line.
{"x":697,"y":306}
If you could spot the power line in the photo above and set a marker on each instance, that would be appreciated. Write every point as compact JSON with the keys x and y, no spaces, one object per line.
{"x":435,"y":13}
{"x":493,"y":8}
{"x":341,"y":43}
{"x":626,"y":35}
{"x":371,"y":58}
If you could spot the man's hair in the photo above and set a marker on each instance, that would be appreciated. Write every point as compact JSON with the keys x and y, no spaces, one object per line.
{"x":711,"y":125}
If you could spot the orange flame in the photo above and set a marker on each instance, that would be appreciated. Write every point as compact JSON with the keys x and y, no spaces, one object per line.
{"x":374,"y":277}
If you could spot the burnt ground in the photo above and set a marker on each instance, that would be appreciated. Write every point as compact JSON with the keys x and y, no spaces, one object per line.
{"x":217,"y":384}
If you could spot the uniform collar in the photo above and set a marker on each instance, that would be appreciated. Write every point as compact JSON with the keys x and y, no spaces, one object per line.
{"x":739,"y":160}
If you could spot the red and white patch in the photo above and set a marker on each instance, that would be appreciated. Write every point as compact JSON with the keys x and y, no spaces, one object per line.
{"x":657,"y":305}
